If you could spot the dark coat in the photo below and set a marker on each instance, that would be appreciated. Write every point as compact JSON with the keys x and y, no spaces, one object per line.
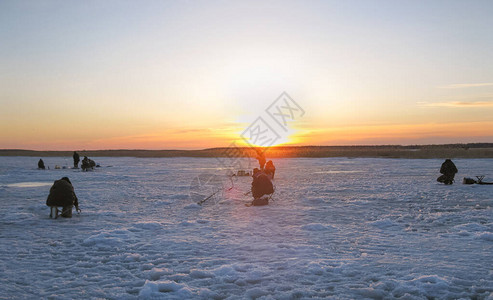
{"x":87,"y":163}
{"x":41,"y":164}
{"x":62,"y":194}
{"x":261,"y":185}
{"x":448,"y":168}
{"x":76,"y":157}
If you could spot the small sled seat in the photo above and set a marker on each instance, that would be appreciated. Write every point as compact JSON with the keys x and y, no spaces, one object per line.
{"x":65,"y":211}
{"x":468,"y":180}
{"x":264,"y":200}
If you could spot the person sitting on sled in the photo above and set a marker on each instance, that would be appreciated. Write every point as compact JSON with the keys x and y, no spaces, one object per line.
{"x":448,"y":170}
{"x":261,"y":186}
{"x":87,"y":164}
{"x":62,"y":194}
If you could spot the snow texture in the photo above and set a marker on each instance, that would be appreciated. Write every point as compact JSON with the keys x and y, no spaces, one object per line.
{"x":336,"y":228}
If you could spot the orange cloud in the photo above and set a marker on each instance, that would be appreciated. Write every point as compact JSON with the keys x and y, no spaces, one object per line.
{"x":399,"y":134}
{"x":306,"y":134}
{"x":168,"y":139}
{"x":466,"y":85}
{"x":458,"y":104}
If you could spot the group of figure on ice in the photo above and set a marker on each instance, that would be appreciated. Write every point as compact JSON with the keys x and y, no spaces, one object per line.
{"x":262,"y":187}
{"x":62,"y":194}
{"x":87,"y":163}
{"x":62,"y":198}
{"x":448,"y":171}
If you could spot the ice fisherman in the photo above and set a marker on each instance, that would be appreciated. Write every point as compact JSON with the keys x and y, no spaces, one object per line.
{"x":76,"y":158}
{"x":448,"y":169}
{"x":87,"y":164}
{"x":260,"y":158}
{"x":62,"y":194}
{"x":41,"y":164}
{"x":270,"y":169}
{"x":261,"y":186}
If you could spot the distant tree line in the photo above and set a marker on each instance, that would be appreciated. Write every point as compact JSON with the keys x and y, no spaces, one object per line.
{"x":469,"y":150}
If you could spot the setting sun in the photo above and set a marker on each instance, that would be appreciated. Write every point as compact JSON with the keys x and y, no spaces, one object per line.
{"x":185,"y":76}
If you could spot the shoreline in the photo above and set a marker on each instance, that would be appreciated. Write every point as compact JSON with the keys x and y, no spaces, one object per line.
{"x":476,"y":150}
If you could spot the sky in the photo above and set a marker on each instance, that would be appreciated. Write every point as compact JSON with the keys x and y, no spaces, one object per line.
{"x":80,"y":75}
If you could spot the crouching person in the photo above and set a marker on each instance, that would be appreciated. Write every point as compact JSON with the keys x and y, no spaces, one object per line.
{"x":62,"y":195}
{"x":261,"y":188}
{"x":448,"y":169}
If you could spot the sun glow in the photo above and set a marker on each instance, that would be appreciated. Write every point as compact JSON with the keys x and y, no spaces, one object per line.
{"x":192,"y":76}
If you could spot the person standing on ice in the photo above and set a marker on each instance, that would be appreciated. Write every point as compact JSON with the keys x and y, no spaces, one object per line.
{"x":76,"y":158}
{"x":260,"y":158}
{"x":270,"y":170}
{"x":62,"y":194}
{"x":448,"y":169}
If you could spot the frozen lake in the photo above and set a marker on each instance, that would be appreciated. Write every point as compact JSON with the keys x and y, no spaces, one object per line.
{"x":337,"y":228}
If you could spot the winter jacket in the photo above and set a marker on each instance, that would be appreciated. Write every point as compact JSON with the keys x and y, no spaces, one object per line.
{"x":62,"y":194}
{"x":261,"y":185}
{"x":448,"y":168}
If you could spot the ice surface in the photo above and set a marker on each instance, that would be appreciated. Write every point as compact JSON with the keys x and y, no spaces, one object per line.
{"x":336,"y":228}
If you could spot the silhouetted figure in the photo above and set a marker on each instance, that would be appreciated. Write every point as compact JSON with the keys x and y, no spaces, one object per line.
{"x":448,"y":170}
{"x":62,"y":194}
{"x":76,"y":160}
{"x":270,"y":170}
{"x":261,"y":186}
{"x":87,"y":164}
{"x":260,"y":158}
{"x":41,"y":164}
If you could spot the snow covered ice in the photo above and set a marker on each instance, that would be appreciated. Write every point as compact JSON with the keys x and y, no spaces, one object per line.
{"x":337,"y":228}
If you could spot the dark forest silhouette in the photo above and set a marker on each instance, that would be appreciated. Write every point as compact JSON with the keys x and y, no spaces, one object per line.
{"x":471,"y":150}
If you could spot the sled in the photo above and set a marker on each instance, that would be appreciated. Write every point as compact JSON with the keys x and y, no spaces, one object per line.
{"x":264,"y":200}
{"x":480,"y":178}
{"x":242,"y":173}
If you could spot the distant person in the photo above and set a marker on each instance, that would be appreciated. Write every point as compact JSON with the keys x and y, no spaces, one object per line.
{"x":270,"y":170}
{"x":448,"y":169}
{"x":41,"y":164}
{"x":261,"y":186}
{"x":62,"y":195}
{"x":76,"y":160}
{"x":87,"y":164}
{"x":260,"y":158}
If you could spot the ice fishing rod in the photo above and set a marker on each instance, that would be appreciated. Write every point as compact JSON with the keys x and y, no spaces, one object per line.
{"x":229,"y":189}
{"x":202,"y":201}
